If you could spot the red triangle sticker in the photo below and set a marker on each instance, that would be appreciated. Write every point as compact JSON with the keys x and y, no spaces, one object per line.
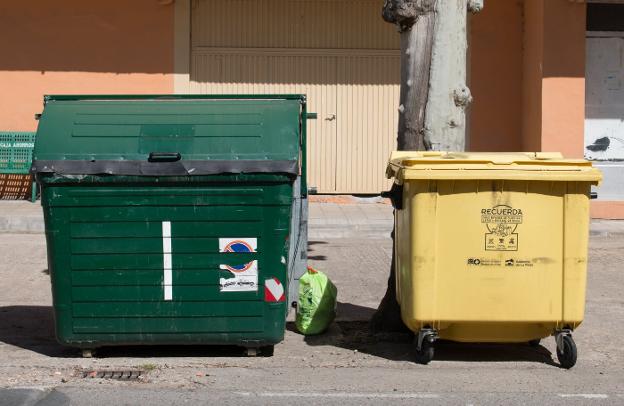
{"x":274,"y":291}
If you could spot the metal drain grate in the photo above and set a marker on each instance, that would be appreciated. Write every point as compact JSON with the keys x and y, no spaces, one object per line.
{"x":128,"y":375}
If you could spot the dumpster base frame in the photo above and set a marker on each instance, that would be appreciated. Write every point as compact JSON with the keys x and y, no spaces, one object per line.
{"x":491,"y":332}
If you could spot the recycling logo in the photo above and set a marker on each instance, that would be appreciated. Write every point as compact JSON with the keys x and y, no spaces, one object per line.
{"x":502,"y":223}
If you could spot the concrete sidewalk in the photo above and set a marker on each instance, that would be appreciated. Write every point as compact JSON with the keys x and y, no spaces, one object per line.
{"x":367,"y":218}
{"x":352,"y":220}
{"x":21,"y":216}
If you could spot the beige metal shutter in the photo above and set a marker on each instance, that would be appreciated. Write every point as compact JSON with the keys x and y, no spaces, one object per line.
{"x":338,"y":52}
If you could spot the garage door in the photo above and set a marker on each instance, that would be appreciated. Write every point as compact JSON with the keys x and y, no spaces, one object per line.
{"x":340,"y":53}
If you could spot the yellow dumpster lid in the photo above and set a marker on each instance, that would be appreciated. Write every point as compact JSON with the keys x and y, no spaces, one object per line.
{"x":544,"y":166}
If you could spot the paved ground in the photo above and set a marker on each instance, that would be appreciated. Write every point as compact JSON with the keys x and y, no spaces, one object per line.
{"x":345,"y":366}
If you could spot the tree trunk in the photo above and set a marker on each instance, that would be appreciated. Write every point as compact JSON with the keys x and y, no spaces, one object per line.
{"x":387,"y":318}
{"x":416,"y":45}
{"x":417,"y":27}
{"x":431,"y":114}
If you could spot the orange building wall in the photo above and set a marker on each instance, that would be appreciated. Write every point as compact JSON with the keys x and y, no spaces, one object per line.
{"x":563,"y":92}
{"x":496,"y":77}
{"x":533,"y":50}
{"x":607,"y":210}
{"x":554,"y":77}
{"x":77,"y":46}
{"x":527,"y":76}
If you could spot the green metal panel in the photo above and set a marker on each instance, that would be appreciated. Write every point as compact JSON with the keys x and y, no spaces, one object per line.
{"x":168,"y":309}
{"x":106,"y":247}
{"x":106,"y":259}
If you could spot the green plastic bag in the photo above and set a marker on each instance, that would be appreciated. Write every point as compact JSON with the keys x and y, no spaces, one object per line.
{"x":317,"y":303}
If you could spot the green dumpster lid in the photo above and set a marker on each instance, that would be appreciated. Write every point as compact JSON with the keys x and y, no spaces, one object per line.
{"x":169,"y":135}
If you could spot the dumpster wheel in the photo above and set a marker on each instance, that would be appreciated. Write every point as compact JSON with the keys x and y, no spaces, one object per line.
{"x":566,"y":350}
{"x":425,"y":348}
{"x":87,"y":352}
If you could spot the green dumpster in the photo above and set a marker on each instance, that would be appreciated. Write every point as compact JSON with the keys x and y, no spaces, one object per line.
{"x":173,"y":219}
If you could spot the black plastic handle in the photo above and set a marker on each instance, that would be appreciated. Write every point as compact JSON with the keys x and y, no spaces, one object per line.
{"x":164,"y":157}
{"x":395,"y":194}
{"x":593,"y":195}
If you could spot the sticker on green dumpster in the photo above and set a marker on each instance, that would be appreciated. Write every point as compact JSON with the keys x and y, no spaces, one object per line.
{"x":274,"y":291}
{"x":244,"y":276}
{"x":242,"y":281}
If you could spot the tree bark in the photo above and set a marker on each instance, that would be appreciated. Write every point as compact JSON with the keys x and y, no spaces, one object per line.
{"x":434,"y":96}
{"x":416,"y":22}
{"x":387,"y":318}
{"x":416,"y":46}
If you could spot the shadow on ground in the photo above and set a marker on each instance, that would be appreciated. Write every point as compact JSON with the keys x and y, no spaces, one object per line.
{"x":310,"y":243}
{"x":311,"y":250}
{"x":350,"y":311}
{"x":32,"y":328}
{"x":351,"y":331}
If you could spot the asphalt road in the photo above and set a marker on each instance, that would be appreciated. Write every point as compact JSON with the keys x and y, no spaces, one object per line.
{"x":345,"y":366}
{"x":135,"y":396}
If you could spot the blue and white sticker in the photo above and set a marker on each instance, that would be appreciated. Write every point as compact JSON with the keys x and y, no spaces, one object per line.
{"x":238,"y":244}
{"x":245,"y":275}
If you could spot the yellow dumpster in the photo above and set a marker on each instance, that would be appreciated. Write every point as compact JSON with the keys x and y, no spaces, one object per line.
{"x":491,"y":247}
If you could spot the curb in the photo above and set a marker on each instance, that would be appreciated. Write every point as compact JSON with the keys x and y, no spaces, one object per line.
{"x":22,"y":224}
{"x":35,"y":225}
{"x":25,"y":219}
{"x":605,"y":234}
{"x":325,"y":231}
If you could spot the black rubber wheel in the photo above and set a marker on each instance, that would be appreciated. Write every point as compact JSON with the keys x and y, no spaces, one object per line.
{"x":567,"y":356}
{"x":425,"y":355}
{"x":535,"y":343}
{"x":267,"y":350}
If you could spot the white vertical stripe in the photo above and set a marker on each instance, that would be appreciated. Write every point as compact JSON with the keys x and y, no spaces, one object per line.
{"x":167,"y":263}
{"x":166,"y":229}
